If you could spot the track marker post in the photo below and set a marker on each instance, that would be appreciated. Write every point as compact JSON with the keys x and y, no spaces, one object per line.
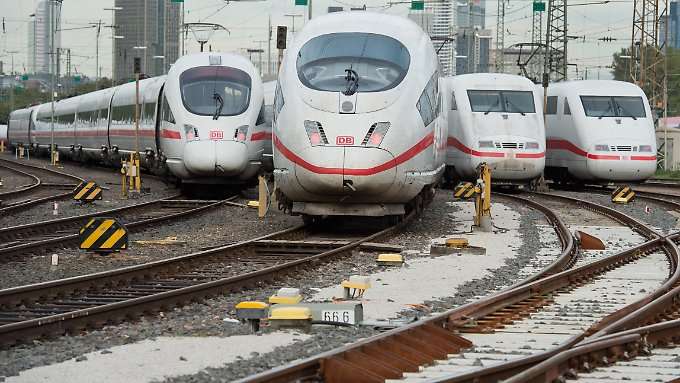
{"x":483,"y":199}
{"x":103,"y":235}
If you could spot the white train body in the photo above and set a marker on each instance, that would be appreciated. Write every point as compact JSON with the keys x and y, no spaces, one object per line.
{"x":495,"y":119}
{"x":599,"y":131}
{"x":3,"y":134}
{"x":365,"y":151}
{"x":204,"y":121}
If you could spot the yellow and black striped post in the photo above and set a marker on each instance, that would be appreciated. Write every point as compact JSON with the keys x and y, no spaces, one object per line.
{"x":103,"y":235}
{"x":87,"y":192}
{"x":464,"y":190}
{"x":623,"y":194}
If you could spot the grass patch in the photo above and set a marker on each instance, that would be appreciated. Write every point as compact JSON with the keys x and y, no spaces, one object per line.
{"x":667,"y":174}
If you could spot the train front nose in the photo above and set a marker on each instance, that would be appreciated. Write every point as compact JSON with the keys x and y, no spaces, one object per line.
{"x":627,"y":167}
{"x":345,"y":171}
{"x":226,"y":158}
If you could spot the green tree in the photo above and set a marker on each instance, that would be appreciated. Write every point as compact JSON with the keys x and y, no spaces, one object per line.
{"x":621,"y":72}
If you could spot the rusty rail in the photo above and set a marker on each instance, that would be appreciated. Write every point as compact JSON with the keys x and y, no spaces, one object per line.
{"x":404,"y":349}
{"x":150,"y":287}
{"x":35,"y":187}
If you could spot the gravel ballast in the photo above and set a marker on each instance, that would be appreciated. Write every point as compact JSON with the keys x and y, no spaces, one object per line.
{"x":107,"y":178}
{"x":206,"y":319}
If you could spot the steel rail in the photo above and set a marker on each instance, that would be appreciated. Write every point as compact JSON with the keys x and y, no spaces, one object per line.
{"x":601,"y":351}
{"x":403,"y":349}
{"x":567,"y":257}
{"x":40,"y":200}
{"x":11,"y":252}
{"x":36,"y":182}
{"x":154,"y":295}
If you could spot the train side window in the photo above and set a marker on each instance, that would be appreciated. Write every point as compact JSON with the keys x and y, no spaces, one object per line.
{"x":551,"y":108}
{"x":149,"y":112}
{"x":104,"y":113}
{"x":260,"y":116}
{"x":167,"y":113}
{"x":454,"y":106}
{"x":567,"y":111}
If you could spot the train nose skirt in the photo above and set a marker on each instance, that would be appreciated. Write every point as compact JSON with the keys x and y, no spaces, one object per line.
{"x":224,"y":158}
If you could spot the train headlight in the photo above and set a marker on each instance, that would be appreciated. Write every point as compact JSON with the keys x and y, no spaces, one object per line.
{"x":315,"y":133}
{"x":375,"y":134}
{"x":241,"y":133}
{"x":645,"y":148}
{"x":486,"y":144}
{"x":191,"y":132}
{"x":602,"y":148}
{"x":531,"y":145}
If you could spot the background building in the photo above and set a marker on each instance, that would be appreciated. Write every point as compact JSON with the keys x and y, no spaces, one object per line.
{"x":437,"y":20}
{"x":472,"y":49}
{"x":471,"y":13}
{"x":154,"y":24}
{"x":40,"y":36}
{"x":673,"y":20}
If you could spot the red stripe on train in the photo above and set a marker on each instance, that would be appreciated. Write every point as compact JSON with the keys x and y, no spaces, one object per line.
{"x":560,"y":144}
{"x":423,"y":144}
{"x":259,"y":136}
{"x":451,"y":141}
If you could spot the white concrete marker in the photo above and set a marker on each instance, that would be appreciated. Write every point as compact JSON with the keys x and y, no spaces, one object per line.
{"x":430,"y":278}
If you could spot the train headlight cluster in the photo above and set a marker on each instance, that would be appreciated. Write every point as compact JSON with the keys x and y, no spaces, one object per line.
{"x":602,"y":148}
{"x":486,"y":144}
{"x":531,"y":145}
{"x":191,"y":132}
{"x":375,"y":134}
{"x":645,"y":148}
{"x":241,"y":133}
{"x":315,"y":133}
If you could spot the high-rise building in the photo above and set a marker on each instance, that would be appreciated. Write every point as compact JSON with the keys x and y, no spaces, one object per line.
{"x":473,"y":40}
{"x":149,"y":30}
{"x":471,"y":14}
{"x":473,"y":46}
{"x":673,"y":19}
{"x":437,"y":20}
{"x":40,"y":34}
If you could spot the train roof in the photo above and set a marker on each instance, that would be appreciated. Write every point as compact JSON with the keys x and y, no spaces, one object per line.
{"x":397,"y":27}
{"x":489,"y":80}
{"x":595,"y":87}
{"x":204,"y":58}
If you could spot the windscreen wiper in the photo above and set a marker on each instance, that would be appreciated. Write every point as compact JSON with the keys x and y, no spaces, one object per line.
{"x":621,"y":108}
{"x":352,"y":78}
{"x":606,"y":110}
{"x":493,"y":106}
{"x":218,"y":111}
{"x":515,"y":107}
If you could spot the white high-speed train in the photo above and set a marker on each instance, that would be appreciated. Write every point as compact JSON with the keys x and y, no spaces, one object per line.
{"x":599,"y":131}
{"x":497,"y":119}
{"x":204,"y":122}
{"x":3,"y":134}
{"x":357,"y":127}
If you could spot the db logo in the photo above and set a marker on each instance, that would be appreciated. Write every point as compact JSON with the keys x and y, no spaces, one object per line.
{"x":344,"y":140}
{"x":216,"y":135}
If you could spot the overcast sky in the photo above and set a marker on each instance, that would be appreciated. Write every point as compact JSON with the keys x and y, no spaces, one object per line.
{"x":248,"y":24}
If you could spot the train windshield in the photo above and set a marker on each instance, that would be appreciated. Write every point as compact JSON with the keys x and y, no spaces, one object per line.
{"x":366,"y":62}
{"x":616,"y":106}
{"x":215,"y":90}
{"x":505,"y":101}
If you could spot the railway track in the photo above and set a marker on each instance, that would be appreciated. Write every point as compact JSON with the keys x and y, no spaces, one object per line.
{"x":48,"y":185}
{"x":93,"y":300}
{"x":639,"y":346}
{"x":520,"y":311}
{"x":20,"y":241}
